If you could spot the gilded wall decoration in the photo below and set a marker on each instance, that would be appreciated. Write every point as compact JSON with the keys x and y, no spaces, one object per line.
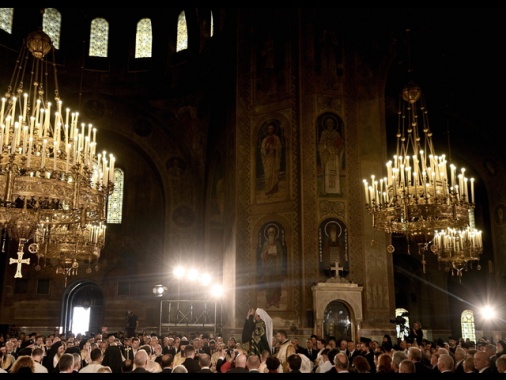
{"x":327,"y":208}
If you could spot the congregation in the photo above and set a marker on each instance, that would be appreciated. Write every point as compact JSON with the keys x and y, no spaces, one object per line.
{"x":202,"y":352}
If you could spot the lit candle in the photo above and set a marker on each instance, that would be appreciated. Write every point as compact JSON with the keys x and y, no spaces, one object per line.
{"x":3,"y":110}
{"x":32,"y":123}
{"x":43,"y":154}
{"x":416,"y":188}
{"x":472,"y":190}
{"x":25,"y":96}
{"x":86,"y":148}
{"x":55,"y":154}
{"x":48,"y":116}
{"x":7,"y":129}
{"x":25,"y":138}
{"x":389,"y":173}
{"x":67,"y":154}
{"x":67,"y":112}
{"x":15,"y":137}
{"x":424,"y":174}
{"x":112,"y":160}
{"x":37,"y":111}
{"x":466,"y":194}
{"x":104,"y":164}
{"x":30,"y":142}
{"x":366,"y":192}
{"x":2,"y":128}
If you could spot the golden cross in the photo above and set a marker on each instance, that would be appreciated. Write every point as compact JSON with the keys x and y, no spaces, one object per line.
{"x":20,"y":261}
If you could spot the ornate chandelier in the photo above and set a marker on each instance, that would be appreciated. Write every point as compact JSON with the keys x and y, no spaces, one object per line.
{"x":54,"y":185}
{"x":422,"y":197}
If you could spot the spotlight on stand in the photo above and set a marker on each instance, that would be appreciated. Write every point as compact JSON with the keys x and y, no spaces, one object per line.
{"x":159,"y":290}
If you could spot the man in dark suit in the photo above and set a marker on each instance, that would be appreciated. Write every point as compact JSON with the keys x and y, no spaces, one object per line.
{"x":168,"y":346}
{"x":166,"y":363}
{"x":481,"y":361}
{"x":351,"y":351}
{"x":460,"y":355}
{"x":205,"y":363}
{"x":309,"y":351}
{"x":191,"y":364}
{"x":415,"y":355}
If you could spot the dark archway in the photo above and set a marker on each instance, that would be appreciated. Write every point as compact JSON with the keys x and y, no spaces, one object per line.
{"x":83,"y":293}
{"x":337,"y":321}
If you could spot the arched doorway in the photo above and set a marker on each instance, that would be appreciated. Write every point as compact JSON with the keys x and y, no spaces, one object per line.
{"x":88,"y":295}
{"x":337,"y":321}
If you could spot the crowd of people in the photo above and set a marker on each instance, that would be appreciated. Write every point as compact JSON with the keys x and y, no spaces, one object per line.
{"x":261,"y":349}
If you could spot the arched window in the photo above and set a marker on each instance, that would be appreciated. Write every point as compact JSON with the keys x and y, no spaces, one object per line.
{"x":144,"y":39}
{"x":115,"y":201}
{"x":467,"y":324}
{"x":51,"y":25}
{"x":6,"y":17}
{"x":211,"y":32}
{"x":99,"y":38}
{"x":182,"y":33}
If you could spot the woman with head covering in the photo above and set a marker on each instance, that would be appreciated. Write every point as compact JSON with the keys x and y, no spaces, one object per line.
{"x":257,"y":331}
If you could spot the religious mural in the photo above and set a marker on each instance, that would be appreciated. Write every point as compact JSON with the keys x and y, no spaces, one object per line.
{"x":333,"y":248}
{"x":331,"y":161}
{"x":271,"y":266}
{"x":271,"y":162}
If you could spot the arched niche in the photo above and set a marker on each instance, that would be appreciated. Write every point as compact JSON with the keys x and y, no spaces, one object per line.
{"x":332,"y":296}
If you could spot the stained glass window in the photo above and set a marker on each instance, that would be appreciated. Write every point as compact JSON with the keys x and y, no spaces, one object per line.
{"x":6,"y":17}
{"x":99,"y":38}
{"x":51,"y":25}
{"x":115,"y":201}
{"x":467,"y":324}
{"x":182,"y":33}
{"x":144,"y":39}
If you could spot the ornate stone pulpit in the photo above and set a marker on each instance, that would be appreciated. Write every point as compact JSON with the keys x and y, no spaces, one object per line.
{"x":348,"y":296}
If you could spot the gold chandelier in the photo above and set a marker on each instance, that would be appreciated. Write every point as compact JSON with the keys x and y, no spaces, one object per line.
{"x":423,"y":197}
{"x":54,"y":185}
